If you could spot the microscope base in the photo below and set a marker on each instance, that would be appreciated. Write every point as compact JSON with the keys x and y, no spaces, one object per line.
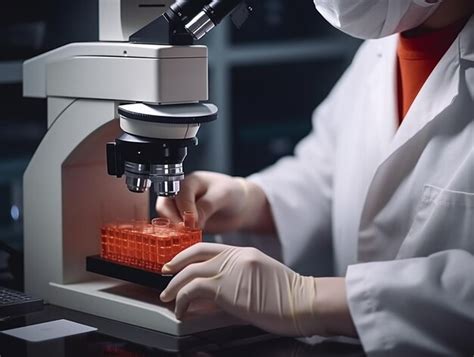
{"x":137,"y":305}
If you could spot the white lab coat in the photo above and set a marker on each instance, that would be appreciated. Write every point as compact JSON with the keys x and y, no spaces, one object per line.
{"x":397,"y":203}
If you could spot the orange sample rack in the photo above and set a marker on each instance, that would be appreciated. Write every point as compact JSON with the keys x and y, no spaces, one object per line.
{"x":148,"y":246}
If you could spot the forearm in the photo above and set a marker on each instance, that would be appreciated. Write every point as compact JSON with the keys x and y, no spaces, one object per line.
{"x":256,"y":213}
{"x":332,"y":307}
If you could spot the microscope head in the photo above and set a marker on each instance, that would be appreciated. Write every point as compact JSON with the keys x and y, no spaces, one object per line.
{"x":155,"y":143}
{"x":156,"y":137}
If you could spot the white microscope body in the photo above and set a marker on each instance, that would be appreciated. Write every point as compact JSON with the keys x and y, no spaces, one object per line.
{"x":67,"y":192}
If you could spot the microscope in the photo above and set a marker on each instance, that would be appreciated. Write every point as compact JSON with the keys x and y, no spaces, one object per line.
{"x":127,"y":106}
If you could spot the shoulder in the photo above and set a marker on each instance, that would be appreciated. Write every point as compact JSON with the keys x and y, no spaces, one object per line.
{"x":372,"y":51}
{"x":371,"y":59}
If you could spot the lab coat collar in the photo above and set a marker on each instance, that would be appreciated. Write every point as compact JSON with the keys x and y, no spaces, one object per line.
{"x":466,"y":45}
{"x":431,"y":101}
{"x":382,"y":108}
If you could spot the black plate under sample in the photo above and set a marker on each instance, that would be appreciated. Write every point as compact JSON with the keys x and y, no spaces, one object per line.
{"x":96,"y":264}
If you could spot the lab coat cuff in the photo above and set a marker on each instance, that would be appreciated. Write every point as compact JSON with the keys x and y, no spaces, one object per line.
{"x":370,"y":320}
{"x":260,"y":181}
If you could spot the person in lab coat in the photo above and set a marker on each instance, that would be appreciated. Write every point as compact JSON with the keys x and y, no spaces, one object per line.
{"x":386,"y":175}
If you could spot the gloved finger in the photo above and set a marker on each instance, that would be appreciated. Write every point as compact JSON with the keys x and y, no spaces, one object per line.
{"x":191,"y":189}
{"x":192,"y":271}
{"x":196,"y":253}
{"x":199,"y":288}
{"x":166,"y":207}
{"x":211,"y":202}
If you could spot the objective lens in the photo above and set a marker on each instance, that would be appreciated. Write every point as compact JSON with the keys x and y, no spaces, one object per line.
{"x":167,"y":188}
{"x":137,"y":184}
{"x":137,"y":177}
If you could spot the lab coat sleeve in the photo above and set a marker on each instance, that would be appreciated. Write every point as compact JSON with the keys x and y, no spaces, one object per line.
{"x":414,"y":307}
{"x":299,"y":187}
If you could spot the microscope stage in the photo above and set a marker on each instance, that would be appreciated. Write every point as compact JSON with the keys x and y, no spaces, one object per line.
{"x":98,"y":265}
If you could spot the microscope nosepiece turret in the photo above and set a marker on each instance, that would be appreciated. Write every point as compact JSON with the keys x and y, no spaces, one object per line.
{"x":154,"y":144}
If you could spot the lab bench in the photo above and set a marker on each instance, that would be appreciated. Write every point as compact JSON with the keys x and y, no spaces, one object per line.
{"x":114,"y":338}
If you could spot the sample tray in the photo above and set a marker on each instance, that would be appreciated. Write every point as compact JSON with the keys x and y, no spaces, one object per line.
{"x":98,"y":265}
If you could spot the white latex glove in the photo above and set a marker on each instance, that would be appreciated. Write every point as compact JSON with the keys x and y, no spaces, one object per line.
{"x":217,"y":199}
{"x":247,"y":284}
{"x":222,"y":203}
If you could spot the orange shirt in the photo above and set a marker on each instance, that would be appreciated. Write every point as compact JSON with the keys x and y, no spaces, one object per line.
{"x":417,"y":57}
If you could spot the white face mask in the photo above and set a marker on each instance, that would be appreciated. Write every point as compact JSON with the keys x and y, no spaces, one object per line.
{"x":375,"y":18}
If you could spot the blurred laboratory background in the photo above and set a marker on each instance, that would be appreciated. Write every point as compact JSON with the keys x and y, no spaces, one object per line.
{"x":266,"y":79}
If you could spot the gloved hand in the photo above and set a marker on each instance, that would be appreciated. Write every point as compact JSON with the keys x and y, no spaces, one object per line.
{"x":222,"y":203}
{"x":247,"y":284}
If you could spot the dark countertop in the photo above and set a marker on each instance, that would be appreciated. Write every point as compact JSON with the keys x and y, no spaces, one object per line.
{"x":114,"y":338}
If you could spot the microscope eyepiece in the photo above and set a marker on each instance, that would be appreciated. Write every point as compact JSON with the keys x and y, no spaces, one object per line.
{"x":200,"y":25}
{"x":210,"y":16}
{"x":188,"y":20}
